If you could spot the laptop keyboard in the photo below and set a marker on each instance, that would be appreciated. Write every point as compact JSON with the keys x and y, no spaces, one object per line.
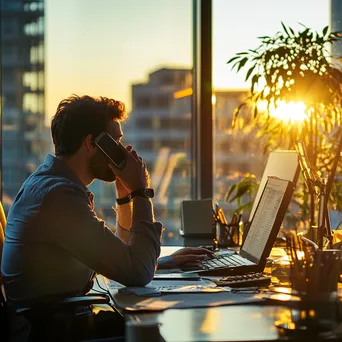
{"x":218,"y":262}
{"x":221,"y":261}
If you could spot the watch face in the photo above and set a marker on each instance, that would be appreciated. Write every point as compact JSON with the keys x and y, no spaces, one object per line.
{"x":149,"y":192}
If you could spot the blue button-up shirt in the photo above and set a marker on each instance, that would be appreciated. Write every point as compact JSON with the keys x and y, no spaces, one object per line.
{"x":54,"y":240}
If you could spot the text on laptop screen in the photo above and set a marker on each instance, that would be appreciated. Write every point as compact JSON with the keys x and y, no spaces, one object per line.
{"x":264,"y":217}
{"x":281,"y":164}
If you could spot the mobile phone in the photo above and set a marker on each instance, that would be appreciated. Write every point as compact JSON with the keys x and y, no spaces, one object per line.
{"x":112,"y":149}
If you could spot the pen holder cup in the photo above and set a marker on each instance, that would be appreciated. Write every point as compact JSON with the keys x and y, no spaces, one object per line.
{"x":316,"y":285}
{"x":318,"y":278}
{"x":227,"y":235}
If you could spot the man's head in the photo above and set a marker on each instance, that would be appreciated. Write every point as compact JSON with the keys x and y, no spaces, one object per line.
{"x":78,"y":120}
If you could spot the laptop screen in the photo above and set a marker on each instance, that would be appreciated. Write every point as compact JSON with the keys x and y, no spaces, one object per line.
{"x":282,"y":164}
{"x":267,"y":219}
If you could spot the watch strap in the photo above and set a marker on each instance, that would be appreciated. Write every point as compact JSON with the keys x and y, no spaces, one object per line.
{"x":123,"y":200}
{"x":143,"y":192}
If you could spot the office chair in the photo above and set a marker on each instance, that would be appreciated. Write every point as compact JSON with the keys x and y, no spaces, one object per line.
{"x":4,"y":319}
{"x":45,"y":314}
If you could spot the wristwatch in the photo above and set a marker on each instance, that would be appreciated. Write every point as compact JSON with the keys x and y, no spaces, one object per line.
{"x":143,"y":192}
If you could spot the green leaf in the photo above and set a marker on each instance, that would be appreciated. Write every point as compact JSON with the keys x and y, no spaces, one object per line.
{"x":237,"y":110}
{"x":241,"y":189}
{"x":254,"y":81}
{"x":230,"y":191}
{"x":242,"y":63}
{"x":249,"y":72}
{"x":292,"y":31}
{"x":235,"y":64}
{"x":284,"y":28}
{"x":325,"y":30}
{"x":233,"y":59}
{"x":255,"y":113}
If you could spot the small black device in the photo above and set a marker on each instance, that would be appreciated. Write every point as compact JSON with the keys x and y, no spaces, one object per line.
{"x":245,"y":280}
{"x":112,"y":149}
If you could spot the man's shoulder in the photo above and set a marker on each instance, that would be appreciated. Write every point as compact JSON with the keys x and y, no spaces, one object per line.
{"x":44,"y":182}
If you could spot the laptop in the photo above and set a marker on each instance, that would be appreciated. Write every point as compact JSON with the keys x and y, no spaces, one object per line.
{"x":262,"y":233}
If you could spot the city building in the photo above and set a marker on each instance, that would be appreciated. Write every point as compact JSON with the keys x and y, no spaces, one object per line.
{"x":24,"y":136}
{"x":160,"y":128}
{"x":336,"y":25}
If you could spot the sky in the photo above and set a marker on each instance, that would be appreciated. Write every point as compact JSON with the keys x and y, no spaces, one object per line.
{"x":102,"y":47}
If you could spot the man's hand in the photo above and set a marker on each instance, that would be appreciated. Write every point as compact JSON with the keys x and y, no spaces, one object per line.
{"x":133,"y":176}
{"x":185,"y":256}
{"x":121,"y":191}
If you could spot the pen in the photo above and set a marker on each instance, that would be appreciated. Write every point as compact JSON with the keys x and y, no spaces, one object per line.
{"x":234,"y":219}
{"x":215,"y":215}
{"x":222,"y":217}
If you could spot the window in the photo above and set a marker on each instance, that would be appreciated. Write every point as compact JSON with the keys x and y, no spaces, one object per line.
{"x":236,"y":26}
{"x":119,"y":49}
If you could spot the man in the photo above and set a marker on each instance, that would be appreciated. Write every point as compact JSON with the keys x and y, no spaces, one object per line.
{"x":54,"y":240}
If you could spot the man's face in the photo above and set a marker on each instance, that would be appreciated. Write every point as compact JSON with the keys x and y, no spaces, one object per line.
{"x":98,"y":163}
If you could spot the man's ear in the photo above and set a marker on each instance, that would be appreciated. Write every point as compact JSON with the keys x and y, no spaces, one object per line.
{"x":89,"y":142}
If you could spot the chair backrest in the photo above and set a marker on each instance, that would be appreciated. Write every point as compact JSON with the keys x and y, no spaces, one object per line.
{"x":2,"y":235}
{"x":4,"y":315}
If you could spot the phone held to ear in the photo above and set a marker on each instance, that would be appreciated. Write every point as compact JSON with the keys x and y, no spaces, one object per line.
{"x":112,"y":149}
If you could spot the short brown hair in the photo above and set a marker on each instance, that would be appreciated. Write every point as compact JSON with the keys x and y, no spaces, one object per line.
{"x":76,"y":117}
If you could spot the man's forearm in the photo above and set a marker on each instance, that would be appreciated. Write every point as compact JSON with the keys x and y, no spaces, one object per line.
{"x":124,"y":215}
{"x":142,"y":210}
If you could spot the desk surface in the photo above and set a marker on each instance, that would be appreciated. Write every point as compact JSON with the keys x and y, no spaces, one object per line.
{"x":224,"y":323}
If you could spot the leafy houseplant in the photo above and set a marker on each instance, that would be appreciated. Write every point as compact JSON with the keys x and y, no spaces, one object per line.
{"x":294,"y":67}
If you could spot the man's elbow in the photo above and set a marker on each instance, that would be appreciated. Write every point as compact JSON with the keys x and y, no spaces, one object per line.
{"x":141,"y":275}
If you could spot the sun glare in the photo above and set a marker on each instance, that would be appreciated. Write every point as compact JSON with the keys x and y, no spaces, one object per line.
{"x":290,"y":111}
{"x":286,"y":111}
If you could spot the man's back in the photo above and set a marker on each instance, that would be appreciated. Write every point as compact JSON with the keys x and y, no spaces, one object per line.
{"x":34,"y":265}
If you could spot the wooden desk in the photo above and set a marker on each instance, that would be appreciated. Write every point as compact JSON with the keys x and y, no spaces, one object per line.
{"x":225,"y":323}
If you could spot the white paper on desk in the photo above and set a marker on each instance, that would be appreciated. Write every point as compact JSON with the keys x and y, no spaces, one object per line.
{"x":170,"y":286}
{"x":184,"y":286}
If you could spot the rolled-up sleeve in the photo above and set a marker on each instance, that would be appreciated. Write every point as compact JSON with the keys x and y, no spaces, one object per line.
{"x":72,"y":224}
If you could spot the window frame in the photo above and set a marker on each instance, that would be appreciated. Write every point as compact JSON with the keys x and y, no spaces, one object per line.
{"x":202,"y":123}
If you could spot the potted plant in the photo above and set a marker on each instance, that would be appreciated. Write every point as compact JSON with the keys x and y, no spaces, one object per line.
{"x":295,"y":68}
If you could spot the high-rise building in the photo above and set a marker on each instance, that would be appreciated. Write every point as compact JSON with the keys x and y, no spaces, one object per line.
{"x":24,"y":138}
{"x":336,"y":25}
{"x":160,"y":128}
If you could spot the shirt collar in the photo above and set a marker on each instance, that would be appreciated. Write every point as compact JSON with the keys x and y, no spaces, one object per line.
{"x":60,"y":167}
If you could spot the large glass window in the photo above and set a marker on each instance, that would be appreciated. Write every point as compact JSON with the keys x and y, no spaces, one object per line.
{"x":139,"y":52}
{"x":25,"y":138}
{"x":236,"y":28}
